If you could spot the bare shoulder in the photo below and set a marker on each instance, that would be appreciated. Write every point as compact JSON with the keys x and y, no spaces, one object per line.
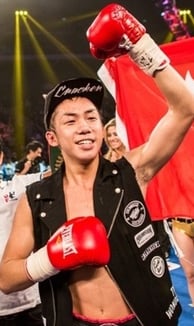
{"x":23,"y":214}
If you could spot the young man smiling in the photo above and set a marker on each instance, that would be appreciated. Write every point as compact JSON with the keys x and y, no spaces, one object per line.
{"x":95,"y":253}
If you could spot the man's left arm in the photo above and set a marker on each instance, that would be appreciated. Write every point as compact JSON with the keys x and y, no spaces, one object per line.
{"x":116,"y":32}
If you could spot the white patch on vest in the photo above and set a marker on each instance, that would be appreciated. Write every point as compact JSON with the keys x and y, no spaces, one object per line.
{"x":144,"y":236}
{"x":173,"y":304}
{"x":157,"y":266}
{"x":134,"y":213}
{"x":155,"y":245}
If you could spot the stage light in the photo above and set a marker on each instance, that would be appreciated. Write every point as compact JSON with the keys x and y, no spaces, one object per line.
{"x":171,"y":15}
{"x":21,"y":12}
{"x":44,"y":63}
{"x":18,"y":89}
{"x":80,"y":17}
{"x":168,"y":38}
{"x":79,"y":64}
{"x":25,"y":13}
{"x":185,"y":12}
{"x":187,"y":16}
{"x":191,"y":17}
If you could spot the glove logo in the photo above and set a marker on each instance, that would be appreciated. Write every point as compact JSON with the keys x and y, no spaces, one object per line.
{"x":145,"y":61}
{"x":67,"y":241}
{"x":134,"y":213}
{"x":117,"y":13}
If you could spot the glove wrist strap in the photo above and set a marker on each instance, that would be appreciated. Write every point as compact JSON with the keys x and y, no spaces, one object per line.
{"x":148,"y":55}
{"x":38,"y":266}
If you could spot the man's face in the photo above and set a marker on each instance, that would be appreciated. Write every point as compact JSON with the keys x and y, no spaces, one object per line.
{"x":36,"y":153}
{"x":77,"y":130}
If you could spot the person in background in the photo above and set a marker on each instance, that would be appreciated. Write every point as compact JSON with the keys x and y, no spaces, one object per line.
{"x":22,"y":307}
{"x":183,"y":232}
{"x":86,"y":233}
{"x":31,"y":162}
{"x":7,"y":170}
{"x":116,"y":148}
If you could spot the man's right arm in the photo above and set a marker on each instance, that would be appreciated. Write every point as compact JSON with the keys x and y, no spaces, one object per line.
{"x":80,"y":241}
{"x":13,"y":275}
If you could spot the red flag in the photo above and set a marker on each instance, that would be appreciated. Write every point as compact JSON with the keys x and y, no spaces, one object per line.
{"x":140,"y":105}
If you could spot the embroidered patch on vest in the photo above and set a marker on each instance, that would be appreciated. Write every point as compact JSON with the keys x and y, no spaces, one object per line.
{"x":144,"y":236}
{"x":155,"y":245}
{"x":134,"y":213}
{"x":157,"y":266}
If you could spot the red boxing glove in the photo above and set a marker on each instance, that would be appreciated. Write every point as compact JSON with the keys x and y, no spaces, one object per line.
{"x":80,"y":241}
{"x":113,"y":31}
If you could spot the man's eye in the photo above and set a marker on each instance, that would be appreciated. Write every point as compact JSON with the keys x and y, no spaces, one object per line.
{"x":69,"y":121}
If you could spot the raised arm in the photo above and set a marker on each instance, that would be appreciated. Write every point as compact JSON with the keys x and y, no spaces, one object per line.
{"x":115,"y":32}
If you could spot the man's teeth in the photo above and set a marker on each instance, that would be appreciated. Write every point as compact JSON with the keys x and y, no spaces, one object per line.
{"x":86,"y":141}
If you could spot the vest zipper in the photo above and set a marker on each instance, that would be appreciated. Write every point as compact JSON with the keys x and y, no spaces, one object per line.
{"x":115,"y":214}
{"x":107,"y":268}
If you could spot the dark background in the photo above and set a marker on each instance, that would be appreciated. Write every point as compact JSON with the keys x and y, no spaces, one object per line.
{"x":67,"y":21}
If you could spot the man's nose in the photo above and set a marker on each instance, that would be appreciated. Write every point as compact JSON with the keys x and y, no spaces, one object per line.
{"x":84,"y":126}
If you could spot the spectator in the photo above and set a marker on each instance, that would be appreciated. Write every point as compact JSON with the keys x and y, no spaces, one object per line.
{"x":116,"y":148}
{"x":22,"y":307}
{"x":31,"y":162}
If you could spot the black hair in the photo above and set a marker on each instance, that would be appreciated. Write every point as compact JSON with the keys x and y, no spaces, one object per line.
{"x":33,"y":146}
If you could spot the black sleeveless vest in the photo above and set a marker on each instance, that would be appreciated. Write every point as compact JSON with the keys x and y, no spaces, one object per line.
{"x":137,"y":263}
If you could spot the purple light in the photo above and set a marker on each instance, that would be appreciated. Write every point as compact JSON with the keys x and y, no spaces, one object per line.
{"x":170,"y":14}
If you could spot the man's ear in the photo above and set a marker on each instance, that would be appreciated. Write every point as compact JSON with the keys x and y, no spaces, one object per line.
{"x":51,"y":138}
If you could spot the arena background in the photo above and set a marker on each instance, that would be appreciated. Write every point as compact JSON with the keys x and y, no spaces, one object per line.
{"x":53,"y":47}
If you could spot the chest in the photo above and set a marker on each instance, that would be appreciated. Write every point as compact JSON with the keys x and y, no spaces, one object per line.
{"x":79,"y":201}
